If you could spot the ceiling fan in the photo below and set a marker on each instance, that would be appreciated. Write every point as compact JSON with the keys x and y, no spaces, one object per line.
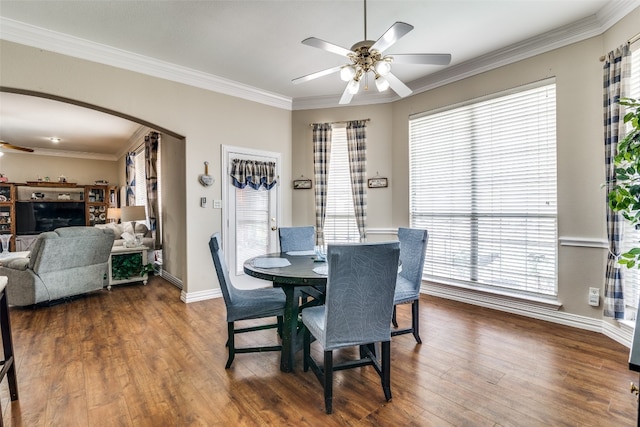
{"x":367,"y":57}
{"x":4,"y":144}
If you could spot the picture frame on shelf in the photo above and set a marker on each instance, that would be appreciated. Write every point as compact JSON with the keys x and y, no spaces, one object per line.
{"x":378,"y":182}
{"x":301,"y":184}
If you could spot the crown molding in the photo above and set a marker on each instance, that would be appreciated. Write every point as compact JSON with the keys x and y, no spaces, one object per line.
{"x":30,"y":35}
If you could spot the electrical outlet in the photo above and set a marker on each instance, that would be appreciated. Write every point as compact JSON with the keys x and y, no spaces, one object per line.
{"x":594,"y":297}
{"x":217,"y":204}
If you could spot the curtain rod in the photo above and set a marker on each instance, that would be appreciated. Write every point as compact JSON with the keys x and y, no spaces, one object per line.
{"x":632,"y":40}
{"x":343,"y":122}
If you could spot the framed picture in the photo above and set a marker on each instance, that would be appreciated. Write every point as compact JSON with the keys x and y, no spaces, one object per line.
{"x":378,"y":182}
{"x":301,"y":184}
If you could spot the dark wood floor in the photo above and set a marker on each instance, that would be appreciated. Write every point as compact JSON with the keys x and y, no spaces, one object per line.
{"x":138,"y":356}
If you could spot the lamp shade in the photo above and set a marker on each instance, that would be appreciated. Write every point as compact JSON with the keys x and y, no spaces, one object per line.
{"x":113,"y":213}
{"x":133,"y":213}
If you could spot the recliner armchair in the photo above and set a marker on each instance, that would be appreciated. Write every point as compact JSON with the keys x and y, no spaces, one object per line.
{"x":65,"y":262}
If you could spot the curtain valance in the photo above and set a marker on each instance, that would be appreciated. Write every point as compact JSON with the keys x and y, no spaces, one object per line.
{"x":253,"y":173}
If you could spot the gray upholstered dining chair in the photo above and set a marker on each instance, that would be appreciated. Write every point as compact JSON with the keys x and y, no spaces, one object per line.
{"x":413,"y":246}
{"x":297,"y":238}
{"x":357,"y":311}
{"x":244,"y":304}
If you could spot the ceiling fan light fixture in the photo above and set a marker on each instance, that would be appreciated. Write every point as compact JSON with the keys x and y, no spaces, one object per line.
{"x":382,"y":84}
{"x":353,"y":87}
{"x":55,"y":139}
{"x":382,"y":67}
{"x":347,"y":73}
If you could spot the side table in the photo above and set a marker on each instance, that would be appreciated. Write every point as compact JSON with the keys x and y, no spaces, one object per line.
{"x":122,"y":251}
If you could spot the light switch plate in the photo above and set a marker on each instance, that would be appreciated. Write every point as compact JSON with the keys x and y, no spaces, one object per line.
{"x":217,"y":204}
{"x":203,"y":202}
{"x":594,"y":297}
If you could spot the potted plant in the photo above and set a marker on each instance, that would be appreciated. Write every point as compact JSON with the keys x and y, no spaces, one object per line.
{"x":625,"y":196}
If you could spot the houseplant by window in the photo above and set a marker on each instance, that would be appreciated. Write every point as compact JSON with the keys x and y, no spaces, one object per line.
{"x":625,"y":196}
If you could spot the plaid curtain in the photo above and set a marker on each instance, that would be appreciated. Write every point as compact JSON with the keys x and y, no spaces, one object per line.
{"x":253,"y":173}
{"x":151,"y":143}
{"x":321,"y":157}
{"x":357,"y":146}
{"x":130,"y":172}
{"x":616,"y":78}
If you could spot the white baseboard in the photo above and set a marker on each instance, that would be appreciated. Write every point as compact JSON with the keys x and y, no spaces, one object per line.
{"x":200,"y":295}
{"x":172,"y":279}
{"x":531,"y":309}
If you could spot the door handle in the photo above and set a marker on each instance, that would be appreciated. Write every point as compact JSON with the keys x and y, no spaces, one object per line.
{"x":274,"y":228}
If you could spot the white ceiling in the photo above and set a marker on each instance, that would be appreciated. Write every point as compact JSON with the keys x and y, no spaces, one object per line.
{"x":256,"y":44}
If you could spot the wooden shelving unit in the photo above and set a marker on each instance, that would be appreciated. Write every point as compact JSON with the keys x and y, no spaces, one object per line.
{"x":8,"y":212}
{"x":98,"y":198}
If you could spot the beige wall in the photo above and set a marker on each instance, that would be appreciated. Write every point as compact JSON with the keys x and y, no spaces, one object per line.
{"x":23,"y":167}
{"x":581,"y":200}
{"x":172,"y":185}
{"x":206,"y":120}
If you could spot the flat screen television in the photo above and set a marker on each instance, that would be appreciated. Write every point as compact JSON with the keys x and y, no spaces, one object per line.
{"x":35,"y":217}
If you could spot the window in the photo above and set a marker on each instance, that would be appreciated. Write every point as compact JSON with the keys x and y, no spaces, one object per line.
{"x":141,"y":180}
{"x":340,"y":219}
{"x":631,"y":236}
{"x":483,"y":182}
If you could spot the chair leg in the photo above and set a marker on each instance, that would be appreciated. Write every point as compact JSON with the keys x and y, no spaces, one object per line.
{"x":394,"y":320}
{"x":415,"y":320}
{"x":328,"y":381}
{"x":231,"y":344}
{"x":306,"y":349}
{"x":386,"y":369}
{"x":280,"y":323}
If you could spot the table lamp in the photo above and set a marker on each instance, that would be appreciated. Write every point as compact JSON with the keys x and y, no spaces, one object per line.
{"x":114,"y":214}
{"x":133,"y":214}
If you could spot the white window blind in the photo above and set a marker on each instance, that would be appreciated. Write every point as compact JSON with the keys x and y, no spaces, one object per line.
{"x":483,"y":183}
{"x":252,"y":224}
{"x":141,"y":179}
{"x":340,"y":219}
{"x":631,"y":236}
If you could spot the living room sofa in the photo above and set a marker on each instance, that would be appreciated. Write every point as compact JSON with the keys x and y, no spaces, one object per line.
{"x":147,"y":237}
{"x":63,"y":263}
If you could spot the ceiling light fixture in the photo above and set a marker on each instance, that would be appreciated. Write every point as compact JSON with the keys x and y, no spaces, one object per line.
{"x":55,"y":139}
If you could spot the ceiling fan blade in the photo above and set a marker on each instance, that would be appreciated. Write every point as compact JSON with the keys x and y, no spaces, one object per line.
{"x":330,"y":47}
{"x":346,"y":96}
{"x":316,"y":75}
{"x":422,"y":58}
{"x":15,"y":147}
{"x":392,"y":35}
{"x":397,"y":86}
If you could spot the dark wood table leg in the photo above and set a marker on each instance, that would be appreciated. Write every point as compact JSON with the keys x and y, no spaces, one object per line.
{"x":290,"y":329}
{"x":8,"y":365}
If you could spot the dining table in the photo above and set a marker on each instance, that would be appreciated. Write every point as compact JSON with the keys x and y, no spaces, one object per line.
{"x":297,"y":274}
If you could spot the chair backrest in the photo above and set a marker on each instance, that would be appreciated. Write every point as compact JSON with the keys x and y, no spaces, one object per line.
{"x":413,"y":247}
{"x":228,"y":291}
{"x":360,"y":289}
{"x":297,"y":238}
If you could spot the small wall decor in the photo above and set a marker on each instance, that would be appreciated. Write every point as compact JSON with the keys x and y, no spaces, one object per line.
{"x":378,"y":182}
{"x":205,"y":179}
{"x":302,"y":183}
